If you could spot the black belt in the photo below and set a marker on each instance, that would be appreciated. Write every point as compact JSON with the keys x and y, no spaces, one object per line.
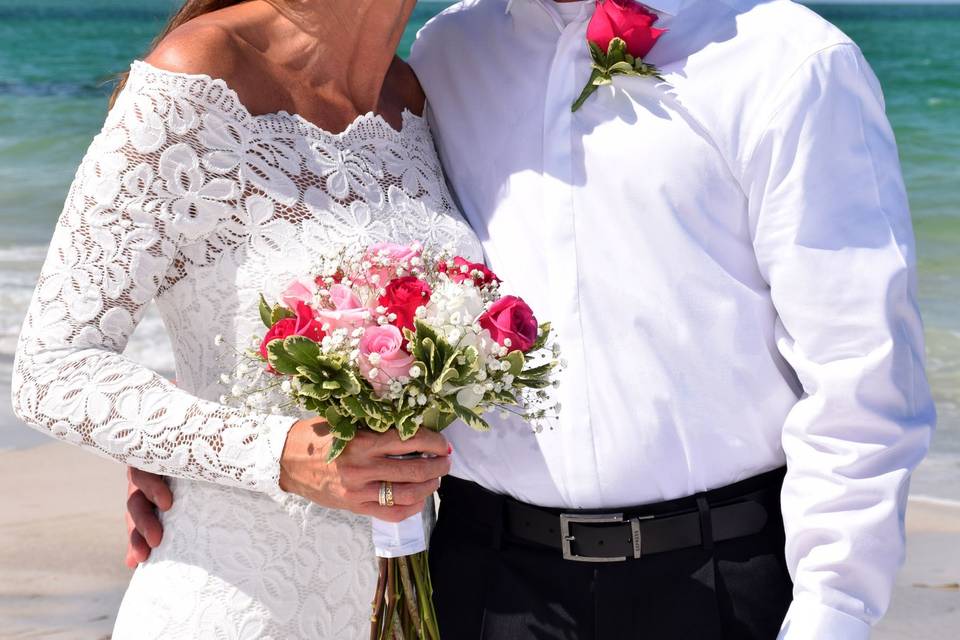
{"x":735,"y":511}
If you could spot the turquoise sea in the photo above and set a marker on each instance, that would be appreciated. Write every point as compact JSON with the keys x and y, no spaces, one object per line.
{"x":57,"y":58}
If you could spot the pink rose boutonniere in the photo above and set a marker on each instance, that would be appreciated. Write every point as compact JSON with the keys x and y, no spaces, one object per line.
{"x":620,"y":35}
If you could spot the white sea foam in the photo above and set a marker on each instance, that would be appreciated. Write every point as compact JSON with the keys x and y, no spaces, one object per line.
{"x":23,"y":254}
{"x":19,"y":269}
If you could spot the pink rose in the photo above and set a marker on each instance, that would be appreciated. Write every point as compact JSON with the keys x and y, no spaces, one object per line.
{"x":403,"y":296}
{"x":382,"y":353}
{"x":304,"y":324}
{"x":625,"y":19}
{"x":298,"y":291}
{"x":476,"y":272}
{"x":347,"y":313}
{"x":510,"y":318}
{"x":396,"y":255}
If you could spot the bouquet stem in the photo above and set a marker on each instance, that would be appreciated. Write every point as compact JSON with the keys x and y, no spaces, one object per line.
{"x":403,"y":604}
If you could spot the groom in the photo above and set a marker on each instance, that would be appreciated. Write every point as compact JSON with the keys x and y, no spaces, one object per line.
{"x":728,"y":258}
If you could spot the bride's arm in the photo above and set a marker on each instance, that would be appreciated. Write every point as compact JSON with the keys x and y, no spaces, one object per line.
{"x":139,"y":196}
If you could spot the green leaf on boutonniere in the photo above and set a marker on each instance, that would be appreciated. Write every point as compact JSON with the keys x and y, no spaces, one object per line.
{"x":624,"y":68}
{"x":616,"y":52}
{"x":598,"y":54}
{"x":617,"y":61}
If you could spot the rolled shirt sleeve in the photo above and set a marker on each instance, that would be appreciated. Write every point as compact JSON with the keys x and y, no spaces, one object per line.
{"x":833,"y":239}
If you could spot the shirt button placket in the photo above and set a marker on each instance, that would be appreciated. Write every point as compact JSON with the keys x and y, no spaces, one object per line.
{"x":581,"y":474}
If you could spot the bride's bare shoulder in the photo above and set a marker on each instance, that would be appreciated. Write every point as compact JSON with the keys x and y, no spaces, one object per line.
{"x":226,"y":45}
{"x":200,"y":47}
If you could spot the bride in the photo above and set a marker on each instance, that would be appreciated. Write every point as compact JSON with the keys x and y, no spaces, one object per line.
{"x":202,"y":190}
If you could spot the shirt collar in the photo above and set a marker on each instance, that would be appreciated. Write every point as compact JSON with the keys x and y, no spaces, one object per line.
{"x":670,"y":7}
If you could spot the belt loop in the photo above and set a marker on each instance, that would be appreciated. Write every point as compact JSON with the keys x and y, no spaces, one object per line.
{"x":706,"y":522}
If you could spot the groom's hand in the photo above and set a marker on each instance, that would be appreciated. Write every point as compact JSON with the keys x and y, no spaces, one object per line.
{"x":352,"y":481}
{"x":146,"y":492}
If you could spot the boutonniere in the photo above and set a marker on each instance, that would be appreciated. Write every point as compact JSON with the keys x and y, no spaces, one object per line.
{"x":620,"y":35}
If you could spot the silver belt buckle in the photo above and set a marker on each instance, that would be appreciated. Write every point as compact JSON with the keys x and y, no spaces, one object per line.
{"x":566,"y":538}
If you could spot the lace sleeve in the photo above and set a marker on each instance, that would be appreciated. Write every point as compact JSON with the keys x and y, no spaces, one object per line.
{"x":139,"y":196}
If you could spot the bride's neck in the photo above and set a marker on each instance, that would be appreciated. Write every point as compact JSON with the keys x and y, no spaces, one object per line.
{"x":348,"y":46}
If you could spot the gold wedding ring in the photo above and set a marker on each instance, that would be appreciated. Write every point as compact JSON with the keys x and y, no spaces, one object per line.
{"x":386,"y":494}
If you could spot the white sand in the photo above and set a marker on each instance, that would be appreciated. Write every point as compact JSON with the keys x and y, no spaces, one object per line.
{"x":61,"y":543}
{"x":62,"y":548}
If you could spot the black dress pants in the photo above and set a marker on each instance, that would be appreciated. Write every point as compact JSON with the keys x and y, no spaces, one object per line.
{"x":489,"y":585}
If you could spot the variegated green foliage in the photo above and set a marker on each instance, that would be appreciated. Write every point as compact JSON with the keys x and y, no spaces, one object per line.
{"x":328,"y":385}
{"x":616,"y":61}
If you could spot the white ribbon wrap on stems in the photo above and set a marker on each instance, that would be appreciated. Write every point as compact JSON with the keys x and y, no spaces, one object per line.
{"x":396,"y":540}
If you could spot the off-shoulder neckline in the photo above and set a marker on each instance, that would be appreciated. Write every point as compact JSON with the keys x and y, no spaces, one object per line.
{"x":307,"y":126}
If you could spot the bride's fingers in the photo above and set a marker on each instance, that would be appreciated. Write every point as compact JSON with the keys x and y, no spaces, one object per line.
{"x":405,"y":471}
{"x":154,"y":487}
{"x":408,"y":494}
{"x":144,"y":518}
{"x":138,"y":550}
{"x":426,"y":442}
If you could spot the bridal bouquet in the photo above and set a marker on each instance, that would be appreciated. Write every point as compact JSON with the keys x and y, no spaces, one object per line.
{"x":398,"y":337}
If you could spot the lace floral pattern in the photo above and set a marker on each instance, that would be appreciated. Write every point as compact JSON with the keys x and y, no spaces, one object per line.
{"x":187,"y":199}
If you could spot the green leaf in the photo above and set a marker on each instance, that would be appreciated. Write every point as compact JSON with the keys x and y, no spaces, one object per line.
{"x":315,"y":391}
{"x":352,"y":405}
{"x":265,"y":313}
{"x":303,"y":350}
{"x":541,"y":370}
{"x":336,"y":448}
{"x":349,"y":383}
{"x":532,"y":383}
{"x":340,"y":426}
{"x":310,"y":374}
{"x":280,"y":360}
{"x":405,"y":424}
{"x":371,"y":407}
{"x":622,"y":68}
{"x":616,"y":51}
{"x":407,"y":429}
{"x":516,"y":360}
{"x":279,"y":313}
{"x":472,"y":419}
{"x":437,"y":420}
{"x":543,"y":336}
{"x":597,"y":54}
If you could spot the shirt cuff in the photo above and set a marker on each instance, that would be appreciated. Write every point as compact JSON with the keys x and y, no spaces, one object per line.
{"x":808,"y":619}
{"x":270,"y":443}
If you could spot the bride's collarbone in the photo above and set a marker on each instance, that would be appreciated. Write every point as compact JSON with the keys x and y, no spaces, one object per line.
{"x":265,"y":86}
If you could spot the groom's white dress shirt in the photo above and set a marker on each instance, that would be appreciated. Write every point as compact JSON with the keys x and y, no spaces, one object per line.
{"x":727,"y":258}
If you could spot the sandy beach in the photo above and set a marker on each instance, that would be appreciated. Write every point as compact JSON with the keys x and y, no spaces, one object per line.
{"x":62,"y":542}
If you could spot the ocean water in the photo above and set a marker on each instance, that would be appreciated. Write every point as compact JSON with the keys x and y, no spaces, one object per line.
{"x":57,"y":58}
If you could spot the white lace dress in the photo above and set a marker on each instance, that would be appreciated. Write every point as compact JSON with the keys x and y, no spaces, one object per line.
{"x":187,"y":199}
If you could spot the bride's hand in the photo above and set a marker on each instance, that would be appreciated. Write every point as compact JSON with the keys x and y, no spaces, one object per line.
{"x":352,"y":481}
